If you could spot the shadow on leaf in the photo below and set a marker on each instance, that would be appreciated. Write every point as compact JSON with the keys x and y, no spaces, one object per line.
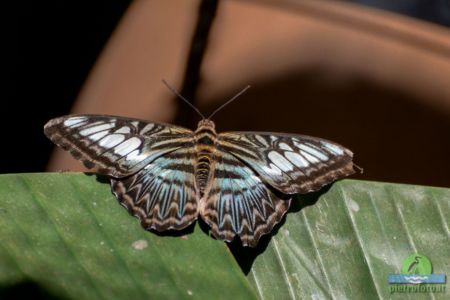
{"x":27,"y":289}
{"x":100,"y":178}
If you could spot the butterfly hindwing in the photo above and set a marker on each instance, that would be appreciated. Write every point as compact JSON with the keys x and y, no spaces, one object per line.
{"x":162,"y":195}
{"x":116,"y":146}
{"x":237,"y":202}
{"x":289,"y":163}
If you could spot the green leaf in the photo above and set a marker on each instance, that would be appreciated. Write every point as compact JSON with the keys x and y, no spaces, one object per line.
{"x":66,"y":236}
{"x":356,"y":233}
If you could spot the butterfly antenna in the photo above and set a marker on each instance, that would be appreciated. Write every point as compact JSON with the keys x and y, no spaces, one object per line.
{"x":358,"y":168}
{"x":229,"y":101}
{"x":182,"y":98}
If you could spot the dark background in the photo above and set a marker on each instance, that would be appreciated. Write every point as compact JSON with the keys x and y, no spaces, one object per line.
{"x":54,"y":44}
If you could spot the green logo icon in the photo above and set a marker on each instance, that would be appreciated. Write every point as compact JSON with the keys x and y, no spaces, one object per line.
{"x":417,"y":264}
{"x":417,"y":277}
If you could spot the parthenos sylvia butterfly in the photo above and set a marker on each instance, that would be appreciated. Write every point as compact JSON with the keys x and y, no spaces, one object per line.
{"x":239,"y":183}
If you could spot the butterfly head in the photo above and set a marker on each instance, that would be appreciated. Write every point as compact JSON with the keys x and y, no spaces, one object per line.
{"x":206,"y":124}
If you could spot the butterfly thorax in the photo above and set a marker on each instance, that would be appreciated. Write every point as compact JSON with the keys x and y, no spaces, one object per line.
{"x":205,"y":140}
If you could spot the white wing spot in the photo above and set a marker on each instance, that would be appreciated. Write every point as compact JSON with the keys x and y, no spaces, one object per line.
{"x":276,"y":169}
{"x":285,"y":146}
{"x":123,"y":129}
{"x":280,"y":161}
{"x":98,"y":135}
{"x":111,"y":140}
{"x":136,"y":155}
{"x":261,"y":140}
{"x":127,"y":146}
{"x":272,"y":170}
{"x":296,"y":159}
{"x":84,"y":123}
{"x":95,"y":129}
{"x":309,"y":157}
{"x":147,"y":128}
{"x":333,"y":148}
{"x":313,"y":151}
{"x":96,"y":123}
{"x":74,"y":121}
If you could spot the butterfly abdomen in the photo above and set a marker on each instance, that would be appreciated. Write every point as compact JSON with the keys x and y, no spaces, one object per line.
{"x":205,"y":140}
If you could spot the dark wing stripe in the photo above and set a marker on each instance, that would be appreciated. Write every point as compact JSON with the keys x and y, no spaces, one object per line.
{"x":290,"y":163}
{"x":116,"y":146}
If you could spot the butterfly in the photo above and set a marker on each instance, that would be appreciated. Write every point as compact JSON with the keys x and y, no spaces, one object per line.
{"x":239,"y":183}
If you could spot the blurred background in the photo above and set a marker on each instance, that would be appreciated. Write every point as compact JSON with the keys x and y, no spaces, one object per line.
{"x":370,"y":75}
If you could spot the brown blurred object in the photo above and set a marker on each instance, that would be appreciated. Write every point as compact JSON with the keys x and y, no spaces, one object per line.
{"x":151,"y":43}
{"x":374,"y":81}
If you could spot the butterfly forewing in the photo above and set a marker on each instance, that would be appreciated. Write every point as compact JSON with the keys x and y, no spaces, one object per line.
{"x":237,"y":202}
{"x":163,"y":194}
{"x":289,"y":163}
{"x":116,"y":146}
